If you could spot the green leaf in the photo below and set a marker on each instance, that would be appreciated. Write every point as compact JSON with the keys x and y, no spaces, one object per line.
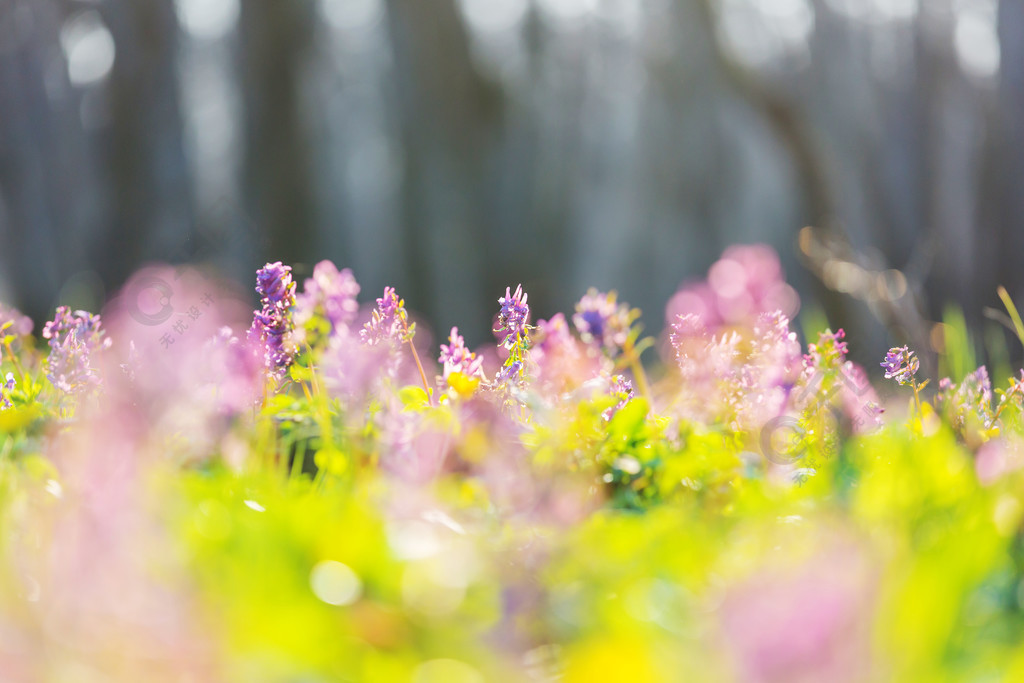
{"x":414,"y":397}
{"x":332,"y":460}
{"x":1018,"y":325}
{"x":300,"y":373}
{"x":628,"y":421}
{"x":16,"y":419}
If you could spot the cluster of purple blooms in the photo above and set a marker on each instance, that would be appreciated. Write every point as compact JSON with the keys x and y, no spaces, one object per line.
{"x":388,"y":322}
{"x":272,"y":324}
{"x":744,"y":374}
{"x":564,"y":365}
{"x":968,"y":406}
{"x":457,"y":358}
{"x":901,"y":365}
{"x":74,"y":338}
{"x":513,"y":330}
{"x":970,"y":400}
{"x":331,"y":293}
{"x":750,"y":377}
{"x":601,"y":320}
{"x":514,"y":317}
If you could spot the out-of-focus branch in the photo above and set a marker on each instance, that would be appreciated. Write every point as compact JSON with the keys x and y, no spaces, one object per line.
{"x":786,"y":123}
{"x":890,"y":294}
{"x":825,"y":248}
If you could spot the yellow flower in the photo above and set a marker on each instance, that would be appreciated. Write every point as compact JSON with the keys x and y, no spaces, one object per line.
{"x":463,"y":385}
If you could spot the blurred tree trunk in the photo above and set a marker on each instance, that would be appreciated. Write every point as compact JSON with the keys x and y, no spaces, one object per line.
{"x":1010,"y":233}
{"x":278,"y":176}
{"x":948,"y":122}
{"x":94,"y":177}
{"x":37,"y":147}
{"x":143,"y":146}
{"x":449,"y":117}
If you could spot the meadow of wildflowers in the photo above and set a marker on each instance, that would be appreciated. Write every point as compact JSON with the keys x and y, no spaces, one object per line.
{"x":191,"y":490}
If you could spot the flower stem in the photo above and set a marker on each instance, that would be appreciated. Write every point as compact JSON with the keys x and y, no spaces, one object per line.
{"x":415,"y":356}
{"x":999,"y":412}
{"x":917,"y":398}
{"x":1007,"y":397}
{"x":641,"y":379}
{"x":633,"y":360}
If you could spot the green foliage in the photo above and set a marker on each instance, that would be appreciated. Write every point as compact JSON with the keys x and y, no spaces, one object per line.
{"x":414,"y":536}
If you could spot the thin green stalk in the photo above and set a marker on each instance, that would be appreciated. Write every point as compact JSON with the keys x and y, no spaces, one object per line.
{"x":917,"y":397}
{"x":299,"y":462}
{"x":641,"y":378}
{"x":1018,"y":325}
{"x":416,"y":356}
{"x":632,"y":356}
{"x":999,"y":411}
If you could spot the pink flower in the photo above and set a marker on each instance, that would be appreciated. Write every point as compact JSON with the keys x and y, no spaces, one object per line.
{"x":808,"y":623}
{"x":745,"y":282}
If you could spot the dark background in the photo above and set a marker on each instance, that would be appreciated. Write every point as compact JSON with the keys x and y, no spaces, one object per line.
{"x":453,"y":147}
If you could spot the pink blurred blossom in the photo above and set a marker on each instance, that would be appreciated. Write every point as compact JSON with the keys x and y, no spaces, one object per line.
{"x":21,"y":325}
{"x":745,"y":282}
{"x":806,"y":623}
{"x":563,"y":363}
{"x":997,"y":458}
{"x":178,"y":364}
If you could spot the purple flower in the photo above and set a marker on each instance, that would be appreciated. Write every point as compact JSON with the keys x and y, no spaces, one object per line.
{"x":509,"y":373}
{"x":901,"y":365}
{"x":275,"y":285}
{"x":73,"y":339}
{"x":621,"y":388}
{"x":387,"y":322}
{"x":829,"y":353}
{"x":601,"y":320}
{"x":455,"y":357}
{"x":971,"y":399}
{"x":514,"y":316}
{"x":7,"y":388}
{"x":272,"y":325}
{"x":385,"y":333}
{"x":330,"y":292}
{"x":271,"y":329}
